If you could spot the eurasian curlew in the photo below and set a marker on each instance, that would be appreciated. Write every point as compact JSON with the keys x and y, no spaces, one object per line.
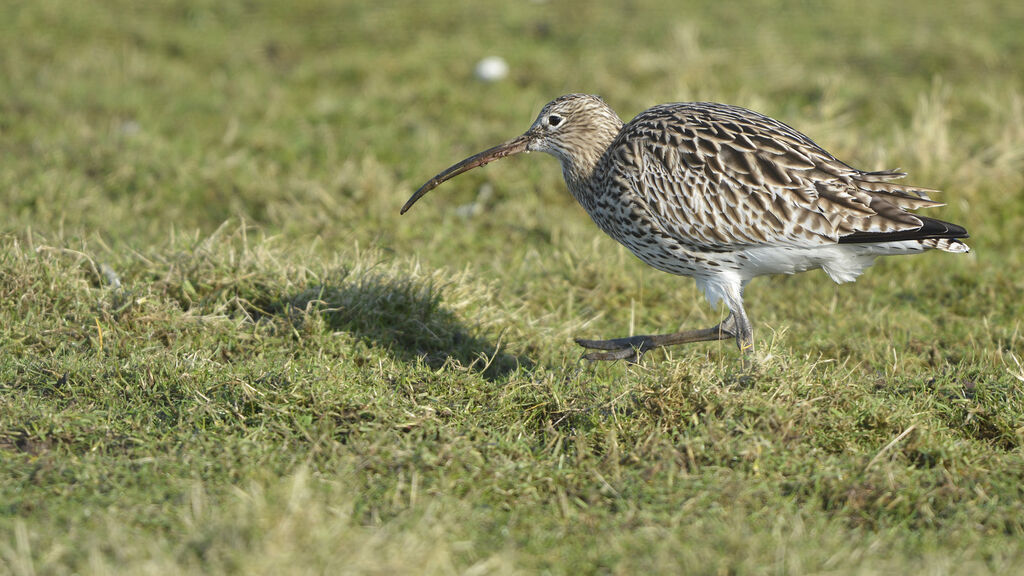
{"x":721,"y":194}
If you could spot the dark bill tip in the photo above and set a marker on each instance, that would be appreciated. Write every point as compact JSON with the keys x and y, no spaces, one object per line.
{"x":514,"y":146}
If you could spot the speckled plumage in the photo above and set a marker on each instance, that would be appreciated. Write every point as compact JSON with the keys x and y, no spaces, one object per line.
{"x":722,"y":194}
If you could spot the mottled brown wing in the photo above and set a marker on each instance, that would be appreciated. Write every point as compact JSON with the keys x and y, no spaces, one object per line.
{"x":719,"y":177}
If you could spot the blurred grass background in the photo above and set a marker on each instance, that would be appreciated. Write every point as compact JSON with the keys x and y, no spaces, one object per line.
{"x":222,"y":350}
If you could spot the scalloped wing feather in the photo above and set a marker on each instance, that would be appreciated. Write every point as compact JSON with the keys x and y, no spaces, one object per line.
{"x":721,"y":177}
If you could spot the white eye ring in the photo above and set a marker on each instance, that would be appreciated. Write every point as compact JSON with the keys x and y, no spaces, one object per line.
{"x":554,"y":120}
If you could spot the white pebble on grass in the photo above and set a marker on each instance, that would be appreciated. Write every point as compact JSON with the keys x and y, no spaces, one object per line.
{"x":491,"y":69}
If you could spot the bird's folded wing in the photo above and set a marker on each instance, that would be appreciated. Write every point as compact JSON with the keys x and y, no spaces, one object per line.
{"x":720,"y":177}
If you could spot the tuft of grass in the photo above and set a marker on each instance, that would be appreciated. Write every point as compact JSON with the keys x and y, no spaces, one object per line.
{"x":223,"y":351}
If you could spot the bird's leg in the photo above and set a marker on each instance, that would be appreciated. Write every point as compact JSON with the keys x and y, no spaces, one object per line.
{"x":633,"y":348}
{"x":741,"y":328}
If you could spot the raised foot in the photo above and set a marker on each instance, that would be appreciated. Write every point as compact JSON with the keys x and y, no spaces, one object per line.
{"x":632,"y":349}
{"x":629,"y":349}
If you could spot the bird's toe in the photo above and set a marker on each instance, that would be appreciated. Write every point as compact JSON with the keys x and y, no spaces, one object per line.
{"x":629,"y":349}
{"x":613,"y":344}
{"x":631,"y":355}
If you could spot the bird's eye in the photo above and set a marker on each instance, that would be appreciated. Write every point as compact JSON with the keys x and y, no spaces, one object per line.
{"x":554,"y":120}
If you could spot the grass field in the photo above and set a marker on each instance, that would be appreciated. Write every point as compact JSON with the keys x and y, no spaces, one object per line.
{"x":223,"y":351}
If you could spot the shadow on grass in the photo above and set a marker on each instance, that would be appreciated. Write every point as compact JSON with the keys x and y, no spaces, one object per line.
{"x":406,"y":317}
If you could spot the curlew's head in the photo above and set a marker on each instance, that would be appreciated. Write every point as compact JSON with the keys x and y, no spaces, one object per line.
{"x":575,"y":128}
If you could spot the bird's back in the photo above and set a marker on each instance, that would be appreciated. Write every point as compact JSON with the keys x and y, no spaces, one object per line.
{"x":714,"y":178}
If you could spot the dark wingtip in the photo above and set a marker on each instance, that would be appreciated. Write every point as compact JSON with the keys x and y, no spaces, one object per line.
{"x":930,"y":229}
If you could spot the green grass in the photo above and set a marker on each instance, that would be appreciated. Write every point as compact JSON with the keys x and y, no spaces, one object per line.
{"x":223,"y":351}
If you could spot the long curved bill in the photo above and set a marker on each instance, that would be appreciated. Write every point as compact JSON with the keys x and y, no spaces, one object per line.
{"x":513,"y":146}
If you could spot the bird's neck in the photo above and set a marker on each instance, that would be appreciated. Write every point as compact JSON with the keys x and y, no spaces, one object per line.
{"x":579,"y":166}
